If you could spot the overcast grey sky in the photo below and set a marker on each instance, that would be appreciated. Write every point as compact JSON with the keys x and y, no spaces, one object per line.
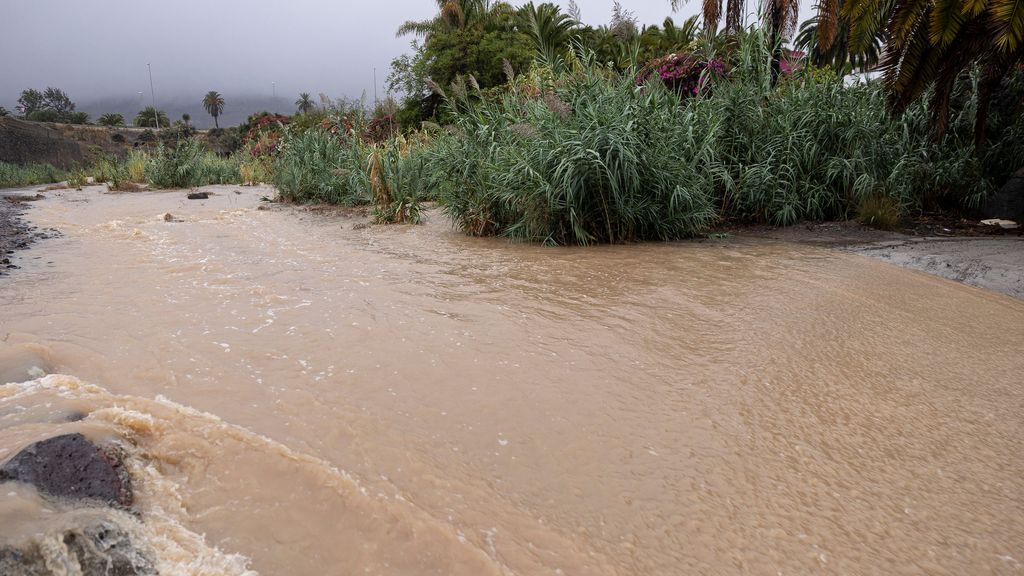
{"x":100,"y":48}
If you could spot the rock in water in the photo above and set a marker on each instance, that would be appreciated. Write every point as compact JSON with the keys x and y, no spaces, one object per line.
{"x":70,"y":466}
{"x":101,"y":548}
{"x":198,"y":196}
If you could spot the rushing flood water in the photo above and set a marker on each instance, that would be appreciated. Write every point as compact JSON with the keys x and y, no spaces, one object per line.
{"x":404,"y":400}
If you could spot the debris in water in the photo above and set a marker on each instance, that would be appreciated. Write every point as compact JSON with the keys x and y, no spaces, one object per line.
{"x":99,"y":547}
{"x":1004,"y":224}
{"x":198,"y":195}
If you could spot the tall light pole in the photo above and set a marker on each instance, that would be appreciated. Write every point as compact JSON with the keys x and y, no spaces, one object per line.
{"x":274,"y":88}
{"x":375,"y":101}
{"x":156,"y":116}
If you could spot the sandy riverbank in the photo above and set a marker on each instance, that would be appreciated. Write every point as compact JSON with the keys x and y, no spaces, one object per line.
{"x":994,"y":261}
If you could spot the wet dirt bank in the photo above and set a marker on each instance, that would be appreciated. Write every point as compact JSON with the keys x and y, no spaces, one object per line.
{"x":993,"y":261}
{"x":15,"y":232}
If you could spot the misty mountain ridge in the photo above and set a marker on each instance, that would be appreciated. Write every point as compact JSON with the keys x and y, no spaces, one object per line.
{"x":236,"y":108}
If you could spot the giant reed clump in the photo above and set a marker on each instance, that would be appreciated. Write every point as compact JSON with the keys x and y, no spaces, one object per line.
{"x":399,"y":179}
{"x":188,"y":164}
{"x":320,"y":166}
{"x":588,"y":156}
{"x":592,"y":159}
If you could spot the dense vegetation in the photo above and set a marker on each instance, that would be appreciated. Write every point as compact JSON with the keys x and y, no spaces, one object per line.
{"x":522,"y":122}
{"x":12,"y":175}
{"x":588,"y":156}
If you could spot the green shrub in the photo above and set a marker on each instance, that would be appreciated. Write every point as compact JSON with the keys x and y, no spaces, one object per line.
{"x":78,"y":179}
{"x":13,"y":175}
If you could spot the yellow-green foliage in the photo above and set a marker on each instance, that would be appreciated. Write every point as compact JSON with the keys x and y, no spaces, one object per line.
{"x":878,"y":211}
{"x":254,"y":171}
{"x":135,"y":163}
{"x":78,"y":179}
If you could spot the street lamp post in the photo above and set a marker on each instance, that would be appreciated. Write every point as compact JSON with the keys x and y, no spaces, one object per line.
{"x":156,"y":116}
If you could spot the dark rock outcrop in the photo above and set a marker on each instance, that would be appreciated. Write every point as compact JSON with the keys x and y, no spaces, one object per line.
{"x":100,"y":548}
{"x":63,"y":145}
{"x":71,"y":467}
{"x":1008,"y":202}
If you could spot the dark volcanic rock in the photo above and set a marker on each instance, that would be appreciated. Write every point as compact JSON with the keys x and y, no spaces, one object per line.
{"x":70,"y":466}
{"x":100,"y":548}
{"x":198,"y":196}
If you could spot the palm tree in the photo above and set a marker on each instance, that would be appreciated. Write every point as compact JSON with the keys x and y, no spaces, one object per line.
{"x":186,"y":118}
{"x":150,"y":117}
{"x":110,"y":119}
{"x":457,"y":15}
{"x":213,"y":102}
{"x":780,"y":17}
{"x":928,"y":45}
{"x":712,"y":11}
{"x":549,"y":28}
{"x":837,"y":54}
{"x":304,"y":104}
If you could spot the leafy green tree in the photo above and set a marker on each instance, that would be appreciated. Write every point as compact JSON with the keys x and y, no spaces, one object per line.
{"x":31,"y":100}
{"x":213,"y":102}
{"x":304,"y":104}
{"x":58,"y":100}
{"x":466,"y":38}
{"x":110,"y":119}
{"x":186,"y":118}
{"x":4,"y":112}
{"x":150,"y":117}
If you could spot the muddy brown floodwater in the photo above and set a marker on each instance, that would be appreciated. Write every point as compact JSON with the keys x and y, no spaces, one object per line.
{"x":302,"y":398}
